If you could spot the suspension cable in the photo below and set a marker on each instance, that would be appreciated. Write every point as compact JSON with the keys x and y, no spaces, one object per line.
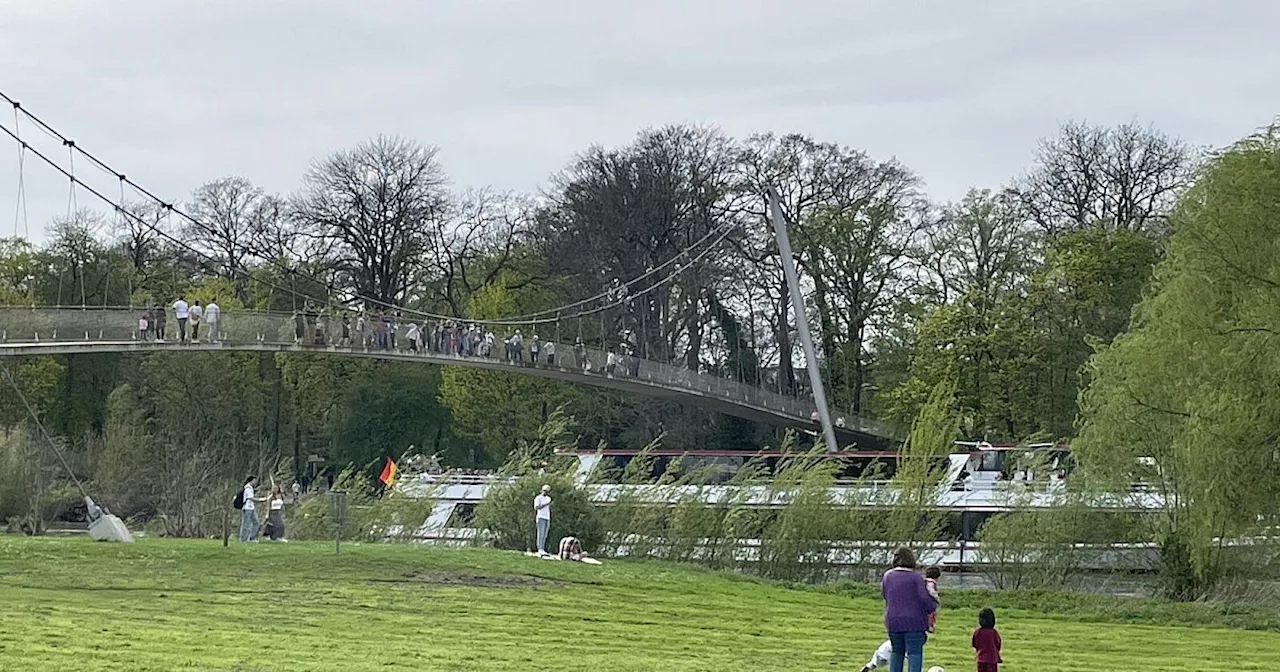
{"x":20,"y":204}
{"x":35,"y":418}
{"x":528,"y":319}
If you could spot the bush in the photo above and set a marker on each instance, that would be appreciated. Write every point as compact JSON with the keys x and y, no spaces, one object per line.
{"x":33,"y":486}
{"x":797,"y":542}
{"x":371,"y":516}
{"x":506,"y":515}
{"x":1052,"y":547}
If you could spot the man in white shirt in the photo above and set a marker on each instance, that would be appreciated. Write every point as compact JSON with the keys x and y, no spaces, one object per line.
{"x":196,"y":313}
{"x":542,"y":517}
{"x":181,"y":312}
{"x":212,"y":313}
{"x":249,"y":522}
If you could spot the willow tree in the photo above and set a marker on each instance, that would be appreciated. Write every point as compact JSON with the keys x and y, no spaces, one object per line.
{"x":915,"y":517}
{"x":1189,"y":394}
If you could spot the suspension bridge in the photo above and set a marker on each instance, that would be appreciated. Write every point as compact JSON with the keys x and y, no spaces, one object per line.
{"x":70,"y":331}
{"x":615,"y":357}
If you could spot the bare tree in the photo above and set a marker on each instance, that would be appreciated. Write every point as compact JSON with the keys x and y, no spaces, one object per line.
{"x":378,"y":204}
{"x":138,"y":228}
{"x":617,"y":213}
{"x":74,"y":240}
{"x":228,"y":210}
{"x":1127,"y":177}
{"x":476,"y":242}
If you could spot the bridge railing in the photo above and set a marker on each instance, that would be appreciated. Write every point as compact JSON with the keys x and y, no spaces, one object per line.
{"x":125,"y":325}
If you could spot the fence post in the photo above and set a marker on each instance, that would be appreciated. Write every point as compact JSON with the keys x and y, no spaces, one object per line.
{"x":338,"y":511}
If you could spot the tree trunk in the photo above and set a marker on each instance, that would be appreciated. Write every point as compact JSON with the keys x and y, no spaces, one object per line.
{"x":859,"y":367}
{"x":826,"y":322}
{"x":693,"y":357}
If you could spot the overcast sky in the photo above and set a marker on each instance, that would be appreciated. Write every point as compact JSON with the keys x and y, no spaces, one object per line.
{"x":175,"y":93}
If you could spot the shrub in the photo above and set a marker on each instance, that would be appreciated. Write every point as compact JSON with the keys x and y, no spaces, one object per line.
{"x":507,"y":517}
{"x":33,"y":487}
{"x":797,"y":542}
{"x":1052,"y":547}
{"x":371,"y":515}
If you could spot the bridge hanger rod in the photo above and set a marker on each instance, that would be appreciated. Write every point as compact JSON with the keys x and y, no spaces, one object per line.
{"x":515,"y":320}
{"x":286,"y":290}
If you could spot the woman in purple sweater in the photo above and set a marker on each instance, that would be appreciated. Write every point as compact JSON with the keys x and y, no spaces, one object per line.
{"x":907,"y":605}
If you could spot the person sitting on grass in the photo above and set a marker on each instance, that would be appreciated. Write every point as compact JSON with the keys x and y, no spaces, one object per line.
{"x":986,"y":642}
{"x":880,"y":658}
{"x":571,"y":549}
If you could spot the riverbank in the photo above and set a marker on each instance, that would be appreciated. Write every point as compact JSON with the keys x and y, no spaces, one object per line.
{"x":168,"y":604}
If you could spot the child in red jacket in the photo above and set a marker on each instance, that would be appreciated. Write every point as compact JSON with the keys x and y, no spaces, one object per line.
{"x":986,"y":642}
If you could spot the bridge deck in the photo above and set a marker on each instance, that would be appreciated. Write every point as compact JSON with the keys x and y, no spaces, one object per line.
{"x":33,"y":332}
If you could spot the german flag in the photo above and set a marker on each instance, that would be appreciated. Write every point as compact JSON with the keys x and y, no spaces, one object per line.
{"x":388,"y":473}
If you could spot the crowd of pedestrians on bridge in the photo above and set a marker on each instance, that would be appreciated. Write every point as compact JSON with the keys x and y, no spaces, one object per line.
{"x":390,"y":331}
{"x":153,"y":324}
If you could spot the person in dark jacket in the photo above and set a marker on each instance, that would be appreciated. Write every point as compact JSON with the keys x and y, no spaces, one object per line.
{"x":907,"y":605}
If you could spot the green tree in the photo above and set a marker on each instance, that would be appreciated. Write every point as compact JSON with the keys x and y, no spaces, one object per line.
{"x":983,"y":334}
{"x":497,"y":408}
{"x":17,"y":268}
{"x":1192,"y":385}
{"x":38,"y":378}
{"x":922,"y":465}
{"x":1084,"y":296}
{"x":390,"y":407}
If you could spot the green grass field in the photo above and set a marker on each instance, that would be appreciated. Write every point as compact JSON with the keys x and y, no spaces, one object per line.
{"x":194,"y":605}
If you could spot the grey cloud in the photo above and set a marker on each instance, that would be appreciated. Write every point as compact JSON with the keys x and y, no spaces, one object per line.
{"x":178,"y":93}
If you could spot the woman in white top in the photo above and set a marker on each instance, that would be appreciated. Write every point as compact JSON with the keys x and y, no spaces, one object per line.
{"x":412,"y":335}
{"x":275,"y":514}
{"x":248,"y":511}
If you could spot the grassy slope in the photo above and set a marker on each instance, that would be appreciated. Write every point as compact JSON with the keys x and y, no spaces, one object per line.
{"x":167,"y":605}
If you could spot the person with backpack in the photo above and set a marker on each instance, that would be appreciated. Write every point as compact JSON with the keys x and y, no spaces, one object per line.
{"x":249,"y":523}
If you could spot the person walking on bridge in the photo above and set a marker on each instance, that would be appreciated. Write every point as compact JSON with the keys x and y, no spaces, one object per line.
{"x":182,"y":312}
{"x":212,"y":315}
{"x":196,"y":313}
{"x":161,"y":318}
{"x":542,"y":517}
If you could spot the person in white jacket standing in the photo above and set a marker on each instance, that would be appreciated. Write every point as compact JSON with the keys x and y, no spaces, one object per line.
{"x":212,"y":316}
{"x":542,"y":517}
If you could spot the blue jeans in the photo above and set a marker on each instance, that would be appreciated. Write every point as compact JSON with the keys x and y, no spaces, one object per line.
{"x":909,"y":645}
{"x":544,"y":526}
{"x":249,"y":525}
